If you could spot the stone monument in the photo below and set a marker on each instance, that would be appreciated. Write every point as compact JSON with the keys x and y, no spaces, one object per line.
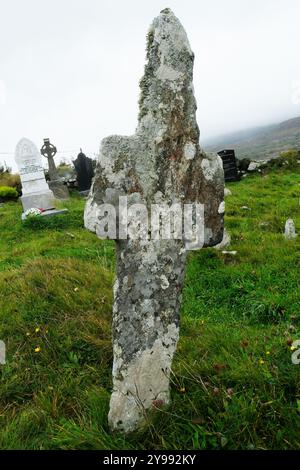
{"x":290,"y":230}
{"x":60,"y":191}
{"x":229,"y":165}
{"x":162,"y":163}
{"x":35,"y":190}
{"x":85,"y":172}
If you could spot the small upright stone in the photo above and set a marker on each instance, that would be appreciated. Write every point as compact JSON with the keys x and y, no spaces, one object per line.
{"x":35,"y":190}
{"x":225,"y":242}
{"x":290,"y":230}
{"x":161,"y":164}
{"x":60,"y":191}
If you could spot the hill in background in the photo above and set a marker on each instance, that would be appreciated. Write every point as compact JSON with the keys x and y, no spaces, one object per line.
{"x":259,"y":143}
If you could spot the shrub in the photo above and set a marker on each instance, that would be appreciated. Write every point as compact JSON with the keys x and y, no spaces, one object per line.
{"x":243,"y":164}
{"x":6,"y":193}
{"x":291,"y":154}
{"x":288,"y":159}
{"x":8,"y":179}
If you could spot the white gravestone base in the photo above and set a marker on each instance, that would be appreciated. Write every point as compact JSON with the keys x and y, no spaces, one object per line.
{"x":40,"y":200}
{"x":49,"y":213}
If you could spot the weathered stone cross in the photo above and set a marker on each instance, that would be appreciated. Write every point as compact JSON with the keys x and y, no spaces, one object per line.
{"x":161,"y":164}
{"x":49,"y":151}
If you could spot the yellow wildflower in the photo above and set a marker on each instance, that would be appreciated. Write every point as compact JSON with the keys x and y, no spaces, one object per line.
{"x":261,"y":362}
{"x":37,"y":330}
{"x":37,"y":349}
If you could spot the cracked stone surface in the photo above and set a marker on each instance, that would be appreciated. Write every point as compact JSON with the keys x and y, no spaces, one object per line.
{"x":161,"y":163}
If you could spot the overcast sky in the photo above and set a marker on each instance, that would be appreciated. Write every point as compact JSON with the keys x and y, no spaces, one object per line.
{"x":69,"y":69}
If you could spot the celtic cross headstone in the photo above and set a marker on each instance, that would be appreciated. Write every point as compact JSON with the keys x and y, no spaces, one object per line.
{"x":49,"y":151}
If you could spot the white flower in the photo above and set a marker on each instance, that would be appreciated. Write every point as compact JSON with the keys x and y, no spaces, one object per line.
{"x":32,"y":212}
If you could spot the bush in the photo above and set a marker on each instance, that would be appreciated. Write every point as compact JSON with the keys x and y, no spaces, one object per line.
{"x":6,"y":193}
{"x":243,"y":164}
{"x":291,"y":154}
{"x":8,"y":179}
{"x":288,"y":159}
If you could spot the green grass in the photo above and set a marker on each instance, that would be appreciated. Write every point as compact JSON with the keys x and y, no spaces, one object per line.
{"x":233,"y":383}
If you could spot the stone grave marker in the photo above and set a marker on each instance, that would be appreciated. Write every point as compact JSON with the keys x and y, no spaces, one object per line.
{"x":60,"y":191}
{"x":229,"y":165}
{"x":290,"y":230}
{"x":35,"y":190}
{"x":161,"y":165}
{"x":85,"y":172}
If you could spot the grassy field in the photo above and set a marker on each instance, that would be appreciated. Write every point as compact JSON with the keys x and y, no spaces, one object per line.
{"x":233,"y":383}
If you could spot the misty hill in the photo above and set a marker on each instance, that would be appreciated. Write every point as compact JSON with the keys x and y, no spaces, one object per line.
{"x":259,"y":143}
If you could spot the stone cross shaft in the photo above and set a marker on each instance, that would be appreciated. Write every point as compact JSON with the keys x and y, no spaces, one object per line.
{"x":161,"y":163}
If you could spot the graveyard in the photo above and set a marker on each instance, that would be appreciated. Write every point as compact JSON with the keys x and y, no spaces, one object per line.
{"x":149,"y":297}
{"x":233,"y":385}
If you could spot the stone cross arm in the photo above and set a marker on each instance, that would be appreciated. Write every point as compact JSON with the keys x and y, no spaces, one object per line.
{"x":132,"y":167}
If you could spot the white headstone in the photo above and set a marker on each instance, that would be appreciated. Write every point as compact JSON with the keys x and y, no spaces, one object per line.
{"x":290,"y":230}
{"x":35,"y":190}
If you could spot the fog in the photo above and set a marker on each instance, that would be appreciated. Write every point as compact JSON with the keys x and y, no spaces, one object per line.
{"x":69,"y":70}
